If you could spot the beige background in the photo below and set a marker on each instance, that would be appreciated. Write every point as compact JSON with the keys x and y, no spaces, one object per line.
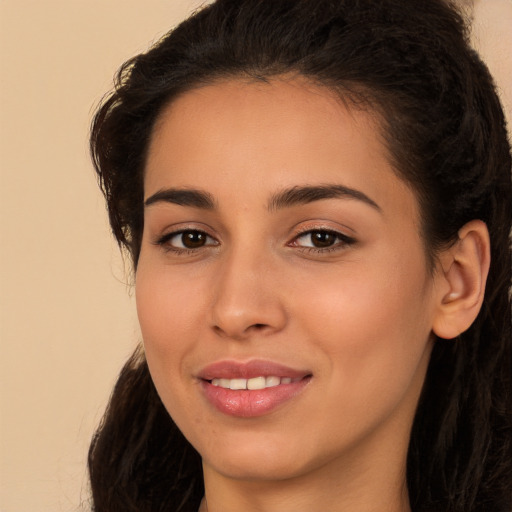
{"x":67,"y":316}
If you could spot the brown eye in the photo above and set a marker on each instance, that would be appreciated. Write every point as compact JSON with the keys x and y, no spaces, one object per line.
{"x":188,"y":239}
{"x":318,"y":239}
{"x":322,"y":239}
{"x":193,"y":239}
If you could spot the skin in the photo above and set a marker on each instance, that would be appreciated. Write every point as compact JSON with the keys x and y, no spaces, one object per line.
{"x":358,"y":316}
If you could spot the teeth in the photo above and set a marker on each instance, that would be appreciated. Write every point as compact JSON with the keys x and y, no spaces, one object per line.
{"x":256,"y":383}
{"x":272,"y":381}
{"x":252,"y":384}
{"x":238,"y":384}
{"x":223,"y":383}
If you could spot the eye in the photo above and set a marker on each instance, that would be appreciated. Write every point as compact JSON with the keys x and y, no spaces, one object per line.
{"x":186,"y":240}
{"x":322,"y":239}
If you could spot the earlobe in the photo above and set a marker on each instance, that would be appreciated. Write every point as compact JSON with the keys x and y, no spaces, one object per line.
{"x":463,"y":270}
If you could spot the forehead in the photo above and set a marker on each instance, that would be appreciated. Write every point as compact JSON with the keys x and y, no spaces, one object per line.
{"x":239,"y":136}
{"x":266,"y":106}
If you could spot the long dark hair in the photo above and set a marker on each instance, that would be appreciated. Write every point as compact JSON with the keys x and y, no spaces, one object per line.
{"x":410,"y":63}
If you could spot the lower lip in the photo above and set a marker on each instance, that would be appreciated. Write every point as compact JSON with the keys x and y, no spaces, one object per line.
{"x":252,"y":403}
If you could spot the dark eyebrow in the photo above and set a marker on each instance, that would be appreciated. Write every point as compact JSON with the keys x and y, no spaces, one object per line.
{"x":307,"y":194}
{"x":183,"y":197}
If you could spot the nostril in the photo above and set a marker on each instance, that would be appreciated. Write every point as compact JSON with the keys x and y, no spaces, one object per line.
{"x":243,"y":332}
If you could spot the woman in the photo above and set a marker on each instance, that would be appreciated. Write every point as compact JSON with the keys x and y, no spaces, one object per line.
{"x":316,"y":199}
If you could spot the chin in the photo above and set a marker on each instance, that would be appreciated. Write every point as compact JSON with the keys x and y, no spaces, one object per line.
{"x":260,"y":459}
{"x":250,"y":468}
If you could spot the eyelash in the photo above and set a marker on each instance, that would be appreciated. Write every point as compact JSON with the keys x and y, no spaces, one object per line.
{"x":342,"y":241}
{"x":165,"y":242}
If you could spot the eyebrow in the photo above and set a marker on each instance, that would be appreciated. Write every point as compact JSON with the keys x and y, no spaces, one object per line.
{"x":183,"y":197}
{"x":284,"y":199}
{"x":308,"y":194}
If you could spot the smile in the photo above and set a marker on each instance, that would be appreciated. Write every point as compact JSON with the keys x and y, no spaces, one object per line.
{"x":253,"y":384}
{"x":252,"y":389}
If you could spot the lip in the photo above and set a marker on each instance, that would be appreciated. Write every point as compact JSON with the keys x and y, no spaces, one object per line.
{"x":249,"y":370}
{"x":251,"y":403}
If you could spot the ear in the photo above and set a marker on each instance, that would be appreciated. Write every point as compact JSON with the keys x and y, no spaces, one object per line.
{"x":462,"y":274}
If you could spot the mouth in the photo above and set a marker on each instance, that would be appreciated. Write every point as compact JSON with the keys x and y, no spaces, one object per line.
{"x":253,"y":384}
{"x":253,"y":389}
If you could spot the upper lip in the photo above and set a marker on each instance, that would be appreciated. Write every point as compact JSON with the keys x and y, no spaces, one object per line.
{"x":249,"y":370}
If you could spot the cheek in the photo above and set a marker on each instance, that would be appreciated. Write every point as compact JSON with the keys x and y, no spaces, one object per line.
{"x":373,"y":319}
{"x":168,"y":307}
{"x":373,"y":332}
{"x":167,"y":303}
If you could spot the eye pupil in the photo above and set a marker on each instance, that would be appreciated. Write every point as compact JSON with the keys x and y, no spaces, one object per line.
{"x":193,"y":239}
{"x":322,"y":238}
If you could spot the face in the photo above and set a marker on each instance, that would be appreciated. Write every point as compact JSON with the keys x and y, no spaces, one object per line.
{"x":282,"y":289}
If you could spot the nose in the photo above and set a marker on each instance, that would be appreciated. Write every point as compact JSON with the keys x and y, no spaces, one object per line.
{"x":248,"y":299}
